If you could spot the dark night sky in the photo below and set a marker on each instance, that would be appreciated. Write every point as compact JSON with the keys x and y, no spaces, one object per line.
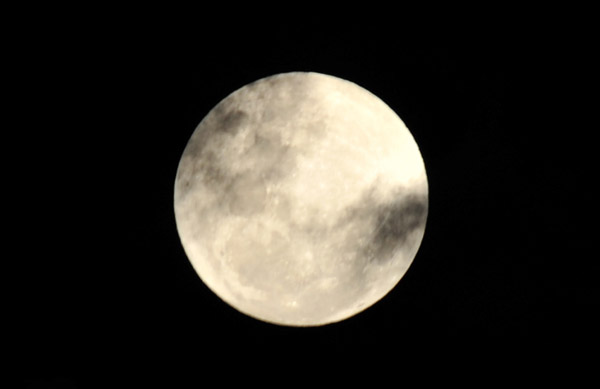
{"x":501,"y":253}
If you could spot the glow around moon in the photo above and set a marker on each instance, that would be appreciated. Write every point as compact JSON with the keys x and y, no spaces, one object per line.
{"x":301,"y":199}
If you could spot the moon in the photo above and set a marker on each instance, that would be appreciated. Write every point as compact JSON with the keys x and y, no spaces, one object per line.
{"x":301,"y":199}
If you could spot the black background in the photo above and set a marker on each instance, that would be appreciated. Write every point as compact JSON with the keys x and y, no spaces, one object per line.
{"x":107,"y":287}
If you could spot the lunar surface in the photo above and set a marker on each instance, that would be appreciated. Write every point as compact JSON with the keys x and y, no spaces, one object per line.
{"x":301,"y":199}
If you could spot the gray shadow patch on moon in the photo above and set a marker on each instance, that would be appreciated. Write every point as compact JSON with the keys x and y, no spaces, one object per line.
{"x":232,"y":121}
{"x":397,"y":223}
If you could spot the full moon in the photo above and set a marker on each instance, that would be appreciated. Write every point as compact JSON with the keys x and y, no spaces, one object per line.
{"x":301,"y":199}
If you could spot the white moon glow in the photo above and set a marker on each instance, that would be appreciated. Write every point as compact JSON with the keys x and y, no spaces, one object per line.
{"x":301,"y":199}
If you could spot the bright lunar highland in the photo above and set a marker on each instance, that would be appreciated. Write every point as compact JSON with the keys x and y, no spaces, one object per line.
{"x":301,"y":199}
